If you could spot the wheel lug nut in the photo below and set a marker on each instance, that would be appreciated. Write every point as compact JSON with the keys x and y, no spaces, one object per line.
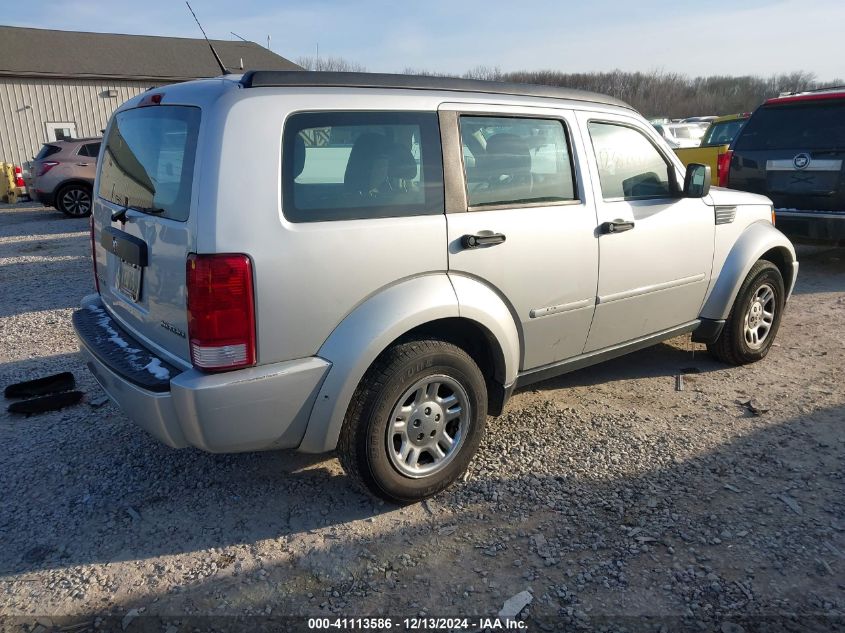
{"x":420,"y":436}
{"x":432,"y":433}
{"x":417,"y":422}
{"x":428,"y":410}
{"x":437,"y":417}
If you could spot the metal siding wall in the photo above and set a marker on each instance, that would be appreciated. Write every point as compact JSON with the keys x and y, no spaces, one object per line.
{"x":80,"y":101}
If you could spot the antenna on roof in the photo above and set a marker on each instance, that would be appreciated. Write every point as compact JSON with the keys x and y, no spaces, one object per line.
{"x":213,"y":52}
{"x":238,"y":36}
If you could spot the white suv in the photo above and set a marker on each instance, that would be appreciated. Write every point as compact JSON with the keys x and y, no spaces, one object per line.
{"x":407,"y":252}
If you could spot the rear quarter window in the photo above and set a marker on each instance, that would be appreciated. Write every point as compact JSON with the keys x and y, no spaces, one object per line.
{"x":356,"y":165}
{"x":148,"y":161}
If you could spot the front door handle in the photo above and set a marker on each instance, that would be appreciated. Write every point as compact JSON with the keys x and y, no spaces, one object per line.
{"x":82,"y":164}
{"x":484,"y":238}
{"x":617,"y":226}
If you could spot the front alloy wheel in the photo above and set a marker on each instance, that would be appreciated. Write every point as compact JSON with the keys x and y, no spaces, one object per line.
{"x":754,"y":319}
{"x":760,"y":316}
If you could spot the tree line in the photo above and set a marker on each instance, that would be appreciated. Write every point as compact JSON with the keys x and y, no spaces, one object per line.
{"x":655,"y":93}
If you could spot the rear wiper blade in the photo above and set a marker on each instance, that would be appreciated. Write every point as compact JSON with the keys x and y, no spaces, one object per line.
{"x":120,"y":214}
{"x":149,"y":209}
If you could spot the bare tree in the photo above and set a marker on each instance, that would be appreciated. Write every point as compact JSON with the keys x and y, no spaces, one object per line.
{"x":659,"y":93}
{"x":330,"y":64}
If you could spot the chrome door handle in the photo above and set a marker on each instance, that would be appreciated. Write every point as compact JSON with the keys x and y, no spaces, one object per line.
{"x":485,"y":238}
{"x":617,"y":226}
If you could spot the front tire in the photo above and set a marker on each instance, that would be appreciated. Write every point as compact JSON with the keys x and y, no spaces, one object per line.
{"x":415,"y":420}
{"x":74,"y":200}
{"x":754,"y":319}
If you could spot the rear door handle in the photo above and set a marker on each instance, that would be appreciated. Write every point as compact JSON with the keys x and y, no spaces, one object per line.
{"x":82,"y":164}
{"x":484,"y":238}
{"x":616,"y":226}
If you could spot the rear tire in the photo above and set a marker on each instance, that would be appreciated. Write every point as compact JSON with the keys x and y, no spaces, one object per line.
{"x":754,"y":319}
{"x":74,"y":200}
{"x":415,"y":420}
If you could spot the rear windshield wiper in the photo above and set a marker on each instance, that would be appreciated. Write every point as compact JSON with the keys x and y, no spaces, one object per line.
{"x":120,"y":214}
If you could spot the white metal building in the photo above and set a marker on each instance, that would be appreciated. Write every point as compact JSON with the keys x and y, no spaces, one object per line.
{"x":58,"y":84}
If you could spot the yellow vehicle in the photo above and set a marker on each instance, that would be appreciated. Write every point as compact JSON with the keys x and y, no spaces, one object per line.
{"x":714,"y":143}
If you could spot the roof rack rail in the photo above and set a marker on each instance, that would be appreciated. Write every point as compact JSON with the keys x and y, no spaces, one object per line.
{"x":301,"y":78}
{"x":790,"y":93}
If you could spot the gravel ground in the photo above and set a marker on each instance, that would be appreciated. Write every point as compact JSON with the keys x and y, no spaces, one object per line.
{"x":615,"y":500}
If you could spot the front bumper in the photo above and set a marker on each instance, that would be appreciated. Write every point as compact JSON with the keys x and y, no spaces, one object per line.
{"x":811,"y":226}
{"x":249,"y":409}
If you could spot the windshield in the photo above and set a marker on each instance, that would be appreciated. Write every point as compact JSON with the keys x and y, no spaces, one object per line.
{"x":804,"y":125}
{"x":148,"y":163}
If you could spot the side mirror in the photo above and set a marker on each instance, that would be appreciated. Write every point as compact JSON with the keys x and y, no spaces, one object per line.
{"x":697,"y":181}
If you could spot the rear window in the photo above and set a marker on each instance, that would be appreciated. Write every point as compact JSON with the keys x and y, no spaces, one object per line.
{"x":797,"y":126}
{"x":148,"y":162}
{"x":722,"y":133}
{"x":354,"y":165}
{"x":47,"y":150}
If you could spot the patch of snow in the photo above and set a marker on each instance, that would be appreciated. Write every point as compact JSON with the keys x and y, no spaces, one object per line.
{"x":155,"y":368}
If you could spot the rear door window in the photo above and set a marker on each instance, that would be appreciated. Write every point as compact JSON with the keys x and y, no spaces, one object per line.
{"x":355,"y":165}
{"x":148,"y":162}
{"x":795,"y":126}
{"x":516,"y":161}
{"x":630,"y":166}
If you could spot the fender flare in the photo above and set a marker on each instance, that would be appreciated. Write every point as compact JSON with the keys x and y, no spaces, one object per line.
{"x":369,"y":329}
{"x":757,"y":239}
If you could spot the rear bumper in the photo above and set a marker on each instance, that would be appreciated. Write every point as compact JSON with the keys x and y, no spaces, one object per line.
{"x":811,"y":226}
{"x":250,"y":409}
{"x":43,"y":197}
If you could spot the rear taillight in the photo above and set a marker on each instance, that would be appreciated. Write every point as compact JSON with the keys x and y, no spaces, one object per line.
{"x":723,"y":168}
{"x":94,"y":255}
{"x":46,"y":166}
{"x":18,"y":177}
{"x":221,"y":311}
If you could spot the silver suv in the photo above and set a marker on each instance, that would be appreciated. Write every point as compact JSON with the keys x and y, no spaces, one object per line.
{"x":405,"y":253}
{"x":62,"y":175}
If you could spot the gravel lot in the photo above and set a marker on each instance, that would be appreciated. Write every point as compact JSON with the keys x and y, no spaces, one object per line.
{"x":617,"y":501}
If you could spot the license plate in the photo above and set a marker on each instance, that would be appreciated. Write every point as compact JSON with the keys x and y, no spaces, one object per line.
{"x":799,"y":182}
{"x":129,"y":280}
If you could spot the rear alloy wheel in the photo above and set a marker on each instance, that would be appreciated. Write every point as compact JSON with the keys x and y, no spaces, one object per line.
{"x":75,"y":201}
{"x":415,"y":420}
{"x":754,"y":318}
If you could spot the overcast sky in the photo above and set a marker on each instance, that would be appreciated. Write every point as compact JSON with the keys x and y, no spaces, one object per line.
{"x":697,"y":38}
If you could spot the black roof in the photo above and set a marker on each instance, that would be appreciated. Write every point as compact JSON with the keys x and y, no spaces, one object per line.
{"x":26,"y":52}
{"x":275,"y":78}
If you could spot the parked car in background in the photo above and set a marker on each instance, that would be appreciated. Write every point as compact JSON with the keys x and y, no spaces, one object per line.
{"x":62,"y":175}
{"x":681,"y":134}
{"x":792,"y":149}
{"x":714,"y":143}
{"x":226,"y":318}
